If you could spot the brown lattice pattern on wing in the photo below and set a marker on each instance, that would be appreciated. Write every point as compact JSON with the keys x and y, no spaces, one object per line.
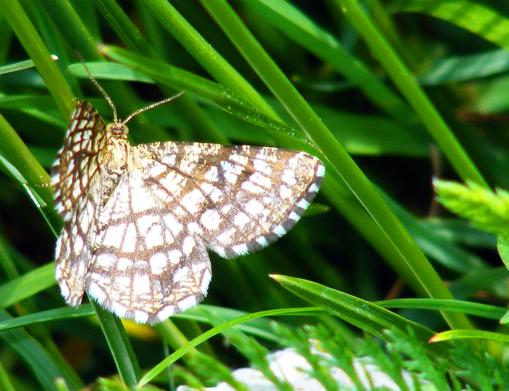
{"x":139,"y":220}
{"x":77,"y":161}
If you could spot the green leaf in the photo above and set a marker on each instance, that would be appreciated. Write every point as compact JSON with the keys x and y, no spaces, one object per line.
{"x":469,"y":334}
{"x":35,"y":47}
{"x":476,"y":18}
{"x":85,"y":310}
{"x":361,"y":313}
{"x":465,"y":68}
{"x":27,"y":285}
{"x":216,"y":65}
{"x":441,"y":249}
{"x":486,"y":209}
{"x":36,"y":357}
{"x":109,"y":71}
{"x":258,"y":327}
{"x":19,"y":66}
{"x":288,"y":19}
{"x":5,"y":382}
{"x":187,"y":81}
{"x":503,"y":249}
{"x":120,"y":347}
{"x":459,"y":231}
{"x":467,"y":307}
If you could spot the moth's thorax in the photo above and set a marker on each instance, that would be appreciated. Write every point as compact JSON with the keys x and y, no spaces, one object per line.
{"x":117,"y":130}
{"x":116,"y":151}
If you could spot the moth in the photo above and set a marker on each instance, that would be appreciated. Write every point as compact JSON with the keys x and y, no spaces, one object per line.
{"x":139,"y":220}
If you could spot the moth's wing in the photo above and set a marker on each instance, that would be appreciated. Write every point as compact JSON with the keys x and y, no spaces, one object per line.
{"x":238,"y":199}
{"x":74,"y":250}
{"x":146,"y":264}
{"x":75,"y":176}
{"x":177,"y":199}
{"x":77,"y":162}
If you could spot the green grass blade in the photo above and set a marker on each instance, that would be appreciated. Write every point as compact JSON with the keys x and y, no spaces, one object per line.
{"x":410,"y":89}
{"x":465,"y":68}
{"x":123,"y":26}
{"x":258,"y":327}
{"x":120,"y":347}
{"x":17,"y":154}
{"x":474,"y":17}
{"x":19,"y":66}
{"x":193,"y":42}
{"x":75,"y":31}
{"x":134,"y":40}
{"x":64,"y":313}
{"x":295,"y":24}
{"x":156,"y":370}
{"x":33,"y":44}
{"x":470,"y":334}
{"x":108,"y":71}
{"x":5,"y":382}
{"x":177,"y":78}
{"x":467,"y":307}
{"x":361,"y":313}
{"x":36,"y":357}
{"x":439,"y":248}
{"x":27,"y":285}
{"x":481,"y":280}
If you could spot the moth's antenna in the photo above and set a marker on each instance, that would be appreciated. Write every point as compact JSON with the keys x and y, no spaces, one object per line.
{"x":101,"y":90}
{"x":151,"y":106}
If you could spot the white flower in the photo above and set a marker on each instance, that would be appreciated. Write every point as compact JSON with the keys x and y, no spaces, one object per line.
{"x":288,"y":365}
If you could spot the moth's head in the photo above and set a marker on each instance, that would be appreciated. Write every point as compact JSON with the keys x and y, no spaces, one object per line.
{"x":117,"y":129}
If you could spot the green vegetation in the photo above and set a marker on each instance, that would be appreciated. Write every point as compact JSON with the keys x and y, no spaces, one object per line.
{"x":388,"y":94}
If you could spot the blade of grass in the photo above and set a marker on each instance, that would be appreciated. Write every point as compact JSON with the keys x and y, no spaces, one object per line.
{"x":466,"y":68}
{"x":19,"y":66}
{"x":156,"y":370}
{"x":259,"y":328}
{"x":76,"y":31}
{"x":5,"y":382}
{"x":118,"y":342}
{"x":177,"y":78}
{"x":134,"y":40}
{"x":33,"y":44}
{"x":410,"y":89}
{"x":469,"y":334}
{"x":64,"y":313}
{"x":27,"y":285}
{"x":124,"y":27}
{"x":472,"y":16}
{"x":36,"y":357}
{"x":481,"y":280}
{"x":181,"y":30}
{"x":46,"y":210}
{"x":467,"y":307}
{"x":39,"y":13}
{"x":17,"y":153}
{"x":361,"y":313}
{"x":295,"y":24}
{"x":79,"y":38}
{"x":341,"y":163}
